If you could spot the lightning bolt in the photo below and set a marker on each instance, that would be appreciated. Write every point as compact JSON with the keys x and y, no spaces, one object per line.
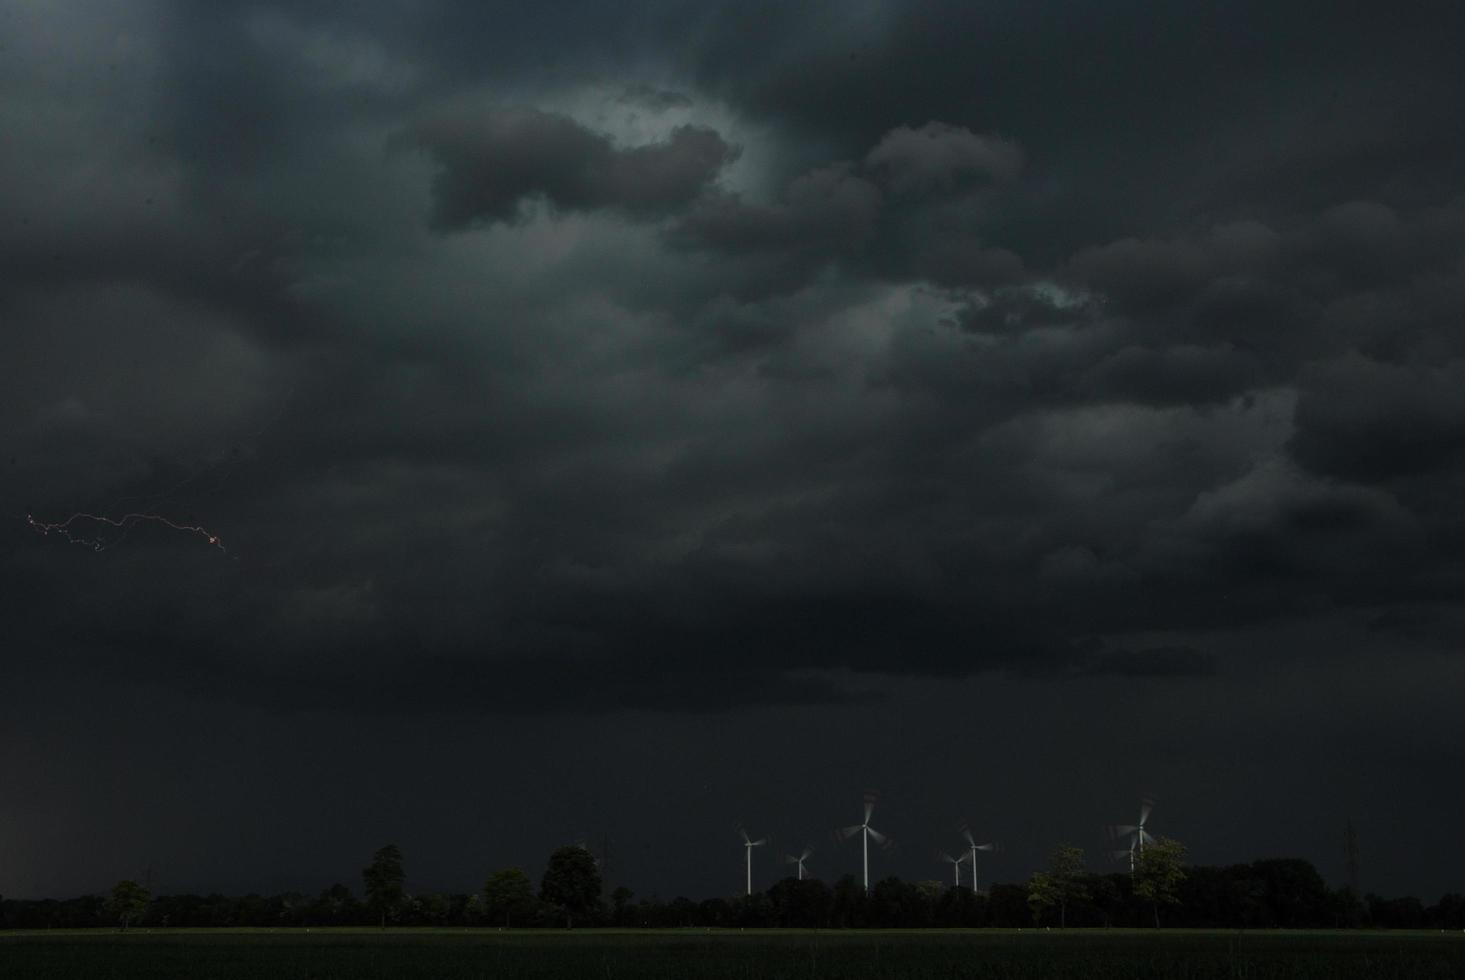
{"x":126,"y":522}
{"x":67,"y":530}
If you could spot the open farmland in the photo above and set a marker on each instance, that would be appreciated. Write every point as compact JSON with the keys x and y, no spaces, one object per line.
{"x":687,"y":955}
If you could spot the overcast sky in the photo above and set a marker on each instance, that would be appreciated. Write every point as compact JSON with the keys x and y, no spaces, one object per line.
{"x":634,"y":419}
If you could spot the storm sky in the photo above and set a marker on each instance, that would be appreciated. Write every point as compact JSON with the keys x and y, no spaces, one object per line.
{"x":635,"y":419}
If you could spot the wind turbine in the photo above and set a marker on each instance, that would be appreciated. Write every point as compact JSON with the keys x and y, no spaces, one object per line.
{"x":956,"y":864}
{"x":804,"y":856}
{"x":748,"y":845}
{"x":866,"y":831}
{"x":973,"y":847}
{"x":1138,"y":836}
{"x":1122,"y":854}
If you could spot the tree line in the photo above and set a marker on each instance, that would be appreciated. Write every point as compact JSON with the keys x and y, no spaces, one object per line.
{"x":1276,"y":893}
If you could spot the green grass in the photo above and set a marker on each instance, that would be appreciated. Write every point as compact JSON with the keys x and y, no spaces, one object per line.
{"x":459,"y":954}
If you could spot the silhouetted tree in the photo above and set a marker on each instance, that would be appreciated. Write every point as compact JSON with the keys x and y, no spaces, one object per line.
{"x":1395,"y":913}
{"x":335,"y":906}
{"x":850,"y":907}
{"x":1042,"y":895}
{"x":383,"y":879}
{"x":1448,"y":912}
{"x":1007,"y":906}
{"x":753,"y":911}
{"x":1062,"y":884}
{"x":1269,"y":893}
{"x":1158,"y":874}
{"x":801,"y":904}
{"x":620,"y":901}
{"x":1348,"y":910}
{"x":127,"y":903}
{"x":715,"y":912}
{"x":1290,"y":894}
{"x":431,"y":910}
{"x":960,"y":907}
{"x":1110,"y":899}
{"x":683,"y":911}
{"x":507,"y":894}
{"x":571,"y":883}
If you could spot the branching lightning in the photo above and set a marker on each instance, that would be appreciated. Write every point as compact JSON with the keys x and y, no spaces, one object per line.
{"x":125,"y":523}
{"x":72,"y":531}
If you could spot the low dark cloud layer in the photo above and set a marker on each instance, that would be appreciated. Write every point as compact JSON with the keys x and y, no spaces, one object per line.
{"x":938,"y":157}
{"x":716,"y":364}
{"x":493,"y":160}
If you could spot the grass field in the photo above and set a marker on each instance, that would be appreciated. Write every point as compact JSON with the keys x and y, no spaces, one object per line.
{"x":346,"y":954}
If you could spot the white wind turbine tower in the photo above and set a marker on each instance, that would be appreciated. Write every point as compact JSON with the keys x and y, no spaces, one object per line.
{"x":748,"y":845}
{"x":866,"y":832}
{"x":956,"y":864}
{"x":1138,"y":836}
{"x":973,"y":847}
{"x":804,"y":856}
{"x":1128,"y":852}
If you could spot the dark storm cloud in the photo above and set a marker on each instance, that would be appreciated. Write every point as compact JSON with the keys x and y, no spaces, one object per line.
{"x":1152,"y":662}
{"x":1017,"y":309}
{"x":711,"y":357}
{"x":1136,"y":275}
{"x":869,"y":214}
{"x":1179,"y":375}
{"x":654,"y":98}
{"x":827,"y":388}
{"x":937,"y":156}
{"x":963,"y":260}
{"x":828,"y":208}
{"x":1376,"y":421}
{"x":491,"y":161}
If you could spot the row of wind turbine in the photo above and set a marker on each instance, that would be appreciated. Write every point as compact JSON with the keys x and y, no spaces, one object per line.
{"x":867,"y":834}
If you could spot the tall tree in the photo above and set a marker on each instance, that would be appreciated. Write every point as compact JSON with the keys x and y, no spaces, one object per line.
{"x":127,"y":903}
{"x":383,"y":879}
{"x":621,"y":900}
{"x":571,"y":883}
{"x":1042,"y":895}
{"x":1066,"y":873}
{"x":506,"y":894}
{"x":1158,"y":873}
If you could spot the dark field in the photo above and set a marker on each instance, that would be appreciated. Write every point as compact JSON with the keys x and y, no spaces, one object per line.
{"x":452,"y":954}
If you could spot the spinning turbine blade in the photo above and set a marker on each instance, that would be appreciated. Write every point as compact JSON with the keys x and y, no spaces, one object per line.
{"x":847,"y":832}
{"x":758,"y":843}
{"x":985,"y":847}
{"x":1144,"y":810}
{"x":876,"y":836}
